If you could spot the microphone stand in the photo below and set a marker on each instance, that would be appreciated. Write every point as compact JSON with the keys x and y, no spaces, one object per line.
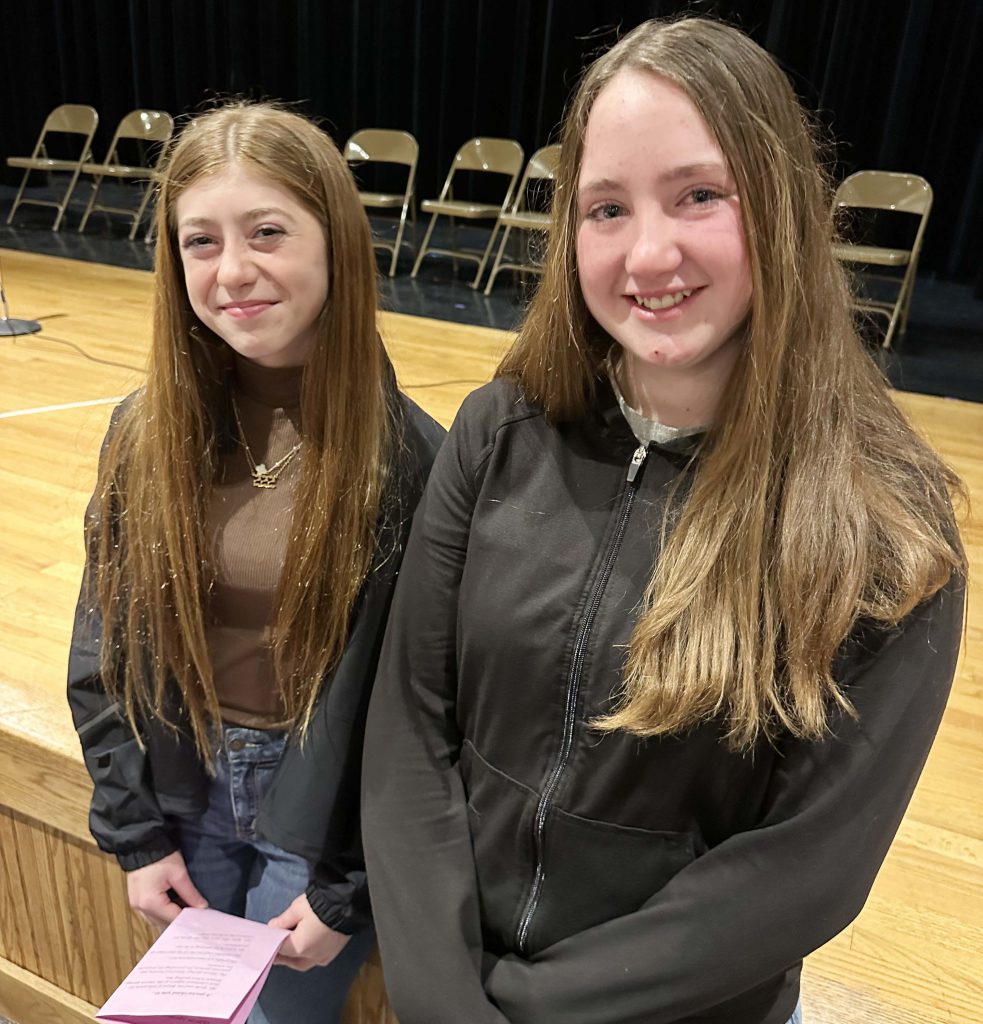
{"x":9,"y":327}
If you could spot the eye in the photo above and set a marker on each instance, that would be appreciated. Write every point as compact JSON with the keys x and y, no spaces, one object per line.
{"x":605,"y":211}
{"x":268,"y":231}
{"x":702,"y":196}
{"x":195,"y":242}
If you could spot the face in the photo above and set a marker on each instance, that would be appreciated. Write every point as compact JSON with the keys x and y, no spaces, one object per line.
{"x":660,"y":246}
{"x":255,"y":264}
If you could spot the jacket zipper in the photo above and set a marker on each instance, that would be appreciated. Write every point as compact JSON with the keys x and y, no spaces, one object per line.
{"x":573,"y":691}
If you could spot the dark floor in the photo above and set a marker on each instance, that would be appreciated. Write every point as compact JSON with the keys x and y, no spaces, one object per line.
{"x":941,"y":353}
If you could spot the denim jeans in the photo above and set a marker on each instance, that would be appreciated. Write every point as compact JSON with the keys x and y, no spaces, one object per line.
{"x":240,"y":873}
{"x":796,"y":1017}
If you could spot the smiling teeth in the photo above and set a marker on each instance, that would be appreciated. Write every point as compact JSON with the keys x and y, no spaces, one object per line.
{"x":665,"y":302}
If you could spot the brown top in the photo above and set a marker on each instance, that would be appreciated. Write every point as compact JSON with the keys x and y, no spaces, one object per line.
{"x":250,"y":527}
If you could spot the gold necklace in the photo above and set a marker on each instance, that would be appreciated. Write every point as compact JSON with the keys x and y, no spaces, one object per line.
{"x":263,"y":475}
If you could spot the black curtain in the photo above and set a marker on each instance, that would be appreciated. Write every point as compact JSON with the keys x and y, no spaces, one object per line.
{"x":896,"y":82}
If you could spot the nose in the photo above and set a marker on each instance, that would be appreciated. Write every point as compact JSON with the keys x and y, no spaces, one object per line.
{"x":654,"y":245}
{"x":236,"y":266}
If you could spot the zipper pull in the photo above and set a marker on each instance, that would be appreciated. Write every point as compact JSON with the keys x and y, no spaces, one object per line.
{"x":637,"y":460}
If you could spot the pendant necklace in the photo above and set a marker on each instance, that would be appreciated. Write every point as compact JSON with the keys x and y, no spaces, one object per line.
{"x":263,"y":476}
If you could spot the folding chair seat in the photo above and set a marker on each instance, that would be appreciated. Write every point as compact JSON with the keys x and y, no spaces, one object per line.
{"x":480,"y":155}
{"x":897,"y":193}
{"x":68,"y":119}
{"x":143,"y":126}
{"x":542,"y":167}
{"x":387,"y":146}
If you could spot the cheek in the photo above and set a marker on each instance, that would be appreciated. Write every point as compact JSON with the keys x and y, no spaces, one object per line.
{"x":742,"y":279}
{"x":197,"y":286}
{"x":590,"y":262}
{"x":733,"y":248}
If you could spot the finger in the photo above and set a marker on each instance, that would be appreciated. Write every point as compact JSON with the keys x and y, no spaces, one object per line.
{"x":169,"y":912}
{"x":181,"y":883}
{"x":165,"y":912}
{"x":289,"y":949}
{"x":295,"y":963}
{"x":288,"y":919}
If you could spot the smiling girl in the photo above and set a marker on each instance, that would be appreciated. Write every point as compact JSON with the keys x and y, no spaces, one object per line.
{"x":681,"y":605}
{"x":243,"y":540}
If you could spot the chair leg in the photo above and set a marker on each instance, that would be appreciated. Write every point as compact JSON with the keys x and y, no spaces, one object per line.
{"x":892,"y":324}
{"x":91,"y":204}
{"x":497,"y":265}
{"x":68,"y":195}
{"x":426,"y":242}
{"x":909,"y":292}
{"x":484,"y":258}
{"x":399,"y":241}
{"x":138,"y":216}
{"x":20,"y":192}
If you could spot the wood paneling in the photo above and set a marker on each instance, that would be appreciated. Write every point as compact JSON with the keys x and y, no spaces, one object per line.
{"x":64,"y":905}
{"x":66,"y":936}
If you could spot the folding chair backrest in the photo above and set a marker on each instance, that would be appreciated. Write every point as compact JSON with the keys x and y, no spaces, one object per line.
{"x":68,"y":119}
{"x":885,"y":190}
{"x":142,"y":126}
{"x":74,"y":118}
{"x":382,"y":145}
{"x":499,"y":156}
{"x":544,"y":163}
{"x":146,"y":125}
{"x":542,"y":166}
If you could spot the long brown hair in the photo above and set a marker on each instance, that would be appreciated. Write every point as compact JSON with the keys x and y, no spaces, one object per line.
{"x":812,"y":503}
{"x":154,"y":564}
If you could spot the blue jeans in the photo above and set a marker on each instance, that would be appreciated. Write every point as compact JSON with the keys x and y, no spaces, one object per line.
{"x":242,"y":874}
{"x":796,"y":1017}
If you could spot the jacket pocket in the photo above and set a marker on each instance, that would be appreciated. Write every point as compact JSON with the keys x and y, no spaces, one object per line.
{"x":596,"y":871}
{"x":500,"y":811}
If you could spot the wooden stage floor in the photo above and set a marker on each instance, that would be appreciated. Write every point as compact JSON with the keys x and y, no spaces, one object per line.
{"x":908,"y":958}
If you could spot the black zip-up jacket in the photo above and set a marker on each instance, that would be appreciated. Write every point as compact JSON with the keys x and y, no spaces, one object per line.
{"x":528,"y":868}
{"x":312,"y":806}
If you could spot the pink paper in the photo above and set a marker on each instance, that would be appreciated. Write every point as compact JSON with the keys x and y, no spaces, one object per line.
{"x":206,"y":967}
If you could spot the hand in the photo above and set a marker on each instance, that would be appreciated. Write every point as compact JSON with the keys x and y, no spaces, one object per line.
{"x":311,"y":943}
{"x":148,"y":890}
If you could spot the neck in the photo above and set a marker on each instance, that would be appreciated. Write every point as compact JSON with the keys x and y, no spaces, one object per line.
{"x":275,"y":386}
{"x":685,"y":396}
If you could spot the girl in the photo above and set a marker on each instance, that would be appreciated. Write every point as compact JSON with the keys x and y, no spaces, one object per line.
{"x":682,"y":603}
{"x":243,"y":540}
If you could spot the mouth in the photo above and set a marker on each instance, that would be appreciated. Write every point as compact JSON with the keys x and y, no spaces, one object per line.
{"x":246,"y":310}
{"x":667,"y":301}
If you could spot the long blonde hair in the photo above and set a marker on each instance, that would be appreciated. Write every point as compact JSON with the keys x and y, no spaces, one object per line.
{"x":812,"y":503}
{"x":154,"y":558}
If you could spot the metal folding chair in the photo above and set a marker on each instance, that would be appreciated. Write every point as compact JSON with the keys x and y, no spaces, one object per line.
{"x":68,"y":119}
{"x":143,"y":126}
{"x":387,"y":146}
{"x":542,"y":167}
{"x":898,"y":193}
{"x":483,"y":155}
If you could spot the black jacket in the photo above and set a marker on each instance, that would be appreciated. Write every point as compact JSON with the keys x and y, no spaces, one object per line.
{"x":526,"y":867}
{"x":311,"y":808}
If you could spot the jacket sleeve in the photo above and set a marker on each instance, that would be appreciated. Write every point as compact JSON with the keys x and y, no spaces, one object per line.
{"x":414,"y":817}
{"x":124,"y":815}
{"x":756,"y":904}
{"x":313,"y":808}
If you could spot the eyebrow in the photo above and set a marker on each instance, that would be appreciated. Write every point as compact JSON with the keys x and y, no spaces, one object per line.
{"x":249,"y":215}
{"x":675,"y":174}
